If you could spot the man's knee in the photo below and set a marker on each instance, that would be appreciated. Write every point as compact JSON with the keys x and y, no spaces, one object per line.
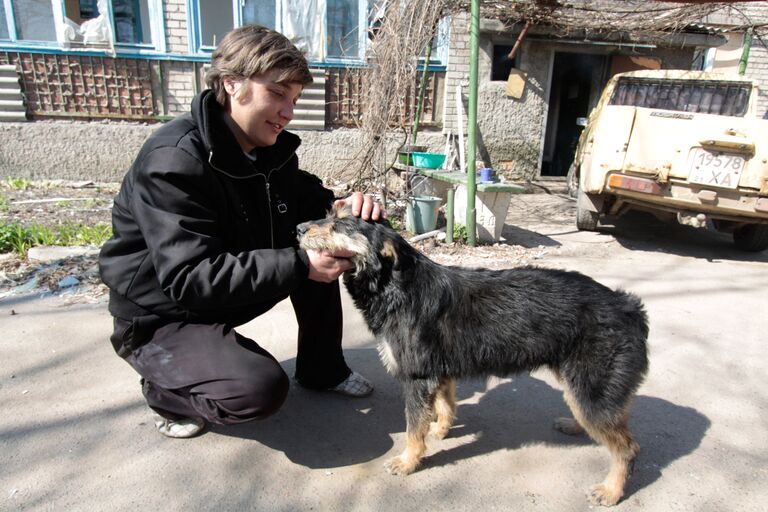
{"x":251,"y":397}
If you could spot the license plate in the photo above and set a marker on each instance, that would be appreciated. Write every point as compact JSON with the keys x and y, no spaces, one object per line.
{"x":716,"y":169}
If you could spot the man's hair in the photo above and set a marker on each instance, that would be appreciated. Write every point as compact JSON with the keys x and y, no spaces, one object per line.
{"x":255,"y":50}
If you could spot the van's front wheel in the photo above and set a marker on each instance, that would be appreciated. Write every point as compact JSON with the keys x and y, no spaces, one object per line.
{"x":752,"y":237}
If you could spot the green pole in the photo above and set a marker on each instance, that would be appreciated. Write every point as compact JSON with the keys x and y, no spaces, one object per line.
{"x":474,"y":36}
{"x":449,"y":216}
{"x":745,"y":51}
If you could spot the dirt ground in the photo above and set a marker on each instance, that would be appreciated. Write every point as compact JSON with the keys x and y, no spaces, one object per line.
{"x":53,"y":203}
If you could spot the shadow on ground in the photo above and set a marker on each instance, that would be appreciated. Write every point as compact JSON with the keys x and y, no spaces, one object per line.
{"x":638,"y":231}
{"x":642,"y":231}
{"x":320,"y":430}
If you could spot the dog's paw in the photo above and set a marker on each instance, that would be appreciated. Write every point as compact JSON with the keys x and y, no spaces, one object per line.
{"x":600,"y":494}
{"x":568,"y":426}
{"x":399,"y":466}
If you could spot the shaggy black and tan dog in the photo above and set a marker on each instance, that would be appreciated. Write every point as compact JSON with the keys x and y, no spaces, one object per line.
{"x":435,"y":324}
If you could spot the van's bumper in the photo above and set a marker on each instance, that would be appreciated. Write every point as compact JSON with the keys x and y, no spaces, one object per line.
{"x":680,"y":196}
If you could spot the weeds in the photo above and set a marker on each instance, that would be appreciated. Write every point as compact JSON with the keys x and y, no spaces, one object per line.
{"x":5,"y":204}
{"x":460,"y":234}
{"x":19,"y":239}
{"x":17,"y":183}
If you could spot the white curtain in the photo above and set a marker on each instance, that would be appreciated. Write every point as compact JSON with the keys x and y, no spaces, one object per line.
{"x":304,"y":24}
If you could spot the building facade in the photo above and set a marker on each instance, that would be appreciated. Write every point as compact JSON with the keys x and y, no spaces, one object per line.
{"x":80,"y":66}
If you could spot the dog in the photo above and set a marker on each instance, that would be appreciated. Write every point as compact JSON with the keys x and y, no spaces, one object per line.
{"x":435,"y":324}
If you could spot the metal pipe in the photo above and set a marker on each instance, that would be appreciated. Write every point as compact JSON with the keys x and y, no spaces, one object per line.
{"x":474,"y":43}
{"x":745,"y":51}
{"x":449,"y":216}
{"x":422,"y":88}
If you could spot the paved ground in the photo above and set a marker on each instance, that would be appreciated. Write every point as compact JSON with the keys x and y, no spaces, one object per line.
{"x":75,"y":435}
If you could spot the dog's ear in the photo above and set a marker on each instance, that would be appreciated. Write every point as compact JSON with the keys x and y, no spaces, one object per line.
{"x":389,"y":251}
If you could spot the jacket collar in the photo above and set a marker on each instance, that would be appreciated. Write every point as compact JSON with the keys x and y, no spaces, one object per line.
{"x":225,"y":154}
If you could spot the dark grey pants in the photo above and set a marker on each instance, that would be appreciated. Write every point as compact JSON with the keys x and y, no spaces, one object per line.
{"x":211,"y":371}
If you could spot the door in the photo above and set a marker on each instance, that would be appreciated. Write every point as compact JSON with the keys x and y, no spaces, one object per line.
{"x":577,"y":80}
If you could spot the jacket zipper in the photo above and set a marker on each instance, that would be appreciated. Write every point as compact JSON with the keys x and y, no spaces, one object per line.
{"x":267,"y":188}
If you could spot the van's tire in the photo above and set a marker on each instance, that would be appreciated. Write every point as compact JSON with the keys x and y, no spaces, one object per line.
{"x":572,"y":181}
{"x":586,"y":220}
{"x":752,"y":237}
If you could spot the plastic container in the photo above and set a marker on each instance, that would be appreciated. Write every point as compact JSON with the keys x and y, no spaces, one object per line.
{"x":421,"y":214}
{"x":427,"y":160}
{"x":404,"y":153}
{"x":486,"y":175}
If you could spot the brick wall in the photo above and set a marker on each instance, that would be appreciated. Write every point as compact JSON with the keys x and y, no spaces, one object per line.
{"x":754,"y":13}
{"x":176,"y":33}
{"x":457,"y":72}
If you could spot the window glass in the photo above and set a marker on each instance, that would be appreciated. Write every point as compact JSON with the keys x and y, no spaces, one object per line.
{"x":34,"y":20}
{"x":259,"y":12}
{"x":85,"y":10}
{"x":502,"y":65}
{"x":216,"y":19}
{"x":705,"y":96}
{"x":131,"y":21}
{"x":3,"y":22}
{"x":343,"y":25}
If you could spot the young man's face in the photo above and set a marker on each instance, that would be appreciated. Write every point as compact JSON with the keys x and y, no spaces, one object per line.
{"x":262,"y":109}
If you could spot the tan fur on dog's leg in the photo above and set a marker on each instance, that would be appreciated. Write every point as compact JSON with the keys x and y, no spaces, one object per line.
{"x":415,"y":447}
{"x":617,"y":438}
{"x":623,"y":449}
{"x":445,"y":408}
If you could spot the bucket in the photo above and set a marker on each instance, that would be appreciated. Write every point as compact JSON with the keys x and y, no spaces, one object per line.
{"x":486,"y":175}
{"x":421,"y":214}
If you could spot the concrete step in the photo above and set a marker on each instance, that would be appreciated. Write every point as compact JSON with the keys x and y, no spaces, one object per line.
{"x":10,"y":93}
{"x":11,"y":105}
{"x":311,"y":103}
{"x":12,"y":117}
{"x":8,"y":70}
{"x":9,"y":80}
{"x":306,"y":124}
{"x":306,"y":114}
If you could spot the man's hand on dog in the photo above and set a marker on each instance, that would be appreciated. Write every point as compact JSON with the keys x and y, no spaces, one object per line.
{"x":326,"y":267}
{"x":363,"y":206}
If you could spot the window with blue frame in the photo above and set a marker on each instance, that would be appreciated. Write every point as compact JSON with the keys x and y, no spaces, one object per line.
{"x":34,"y":22}
{"x":343,"y":28}
{"x":131,"y":21}
{"x":333,"y":34}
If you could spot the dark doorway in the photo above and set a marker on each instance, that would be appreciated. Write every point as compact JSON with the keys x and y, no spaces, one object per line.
{"x":577,"y":80}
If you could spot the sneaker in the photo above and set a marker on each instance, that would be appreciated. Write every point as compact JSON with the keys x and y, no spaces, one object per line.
{"x":179,"y":429}
{"x":355,"y":385}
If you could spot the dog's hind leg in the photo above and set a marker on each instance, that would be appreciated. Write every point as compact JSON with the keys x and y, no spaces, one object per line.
{"x":445,"y":408}
{"x":568,"y":426}
{"x":615,"y":435}
{"x":419,"y":401}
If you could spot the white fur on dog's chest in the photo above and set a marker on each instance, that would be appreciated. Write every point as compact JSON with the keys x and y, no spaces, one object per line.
{"x":387,"y":357}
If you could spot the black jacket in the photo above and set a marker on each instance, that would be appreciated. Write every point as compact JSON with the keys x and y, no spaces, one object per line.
{"x":203,"y":234}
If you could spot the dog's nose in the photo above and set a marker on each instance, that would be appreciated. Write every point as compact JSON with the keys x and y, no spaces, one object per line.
{"x":302,"y":228}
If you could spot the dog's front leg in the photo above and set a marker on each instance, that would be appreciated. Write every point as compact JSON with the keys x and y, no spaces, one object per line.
{"x":419,"y":400}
